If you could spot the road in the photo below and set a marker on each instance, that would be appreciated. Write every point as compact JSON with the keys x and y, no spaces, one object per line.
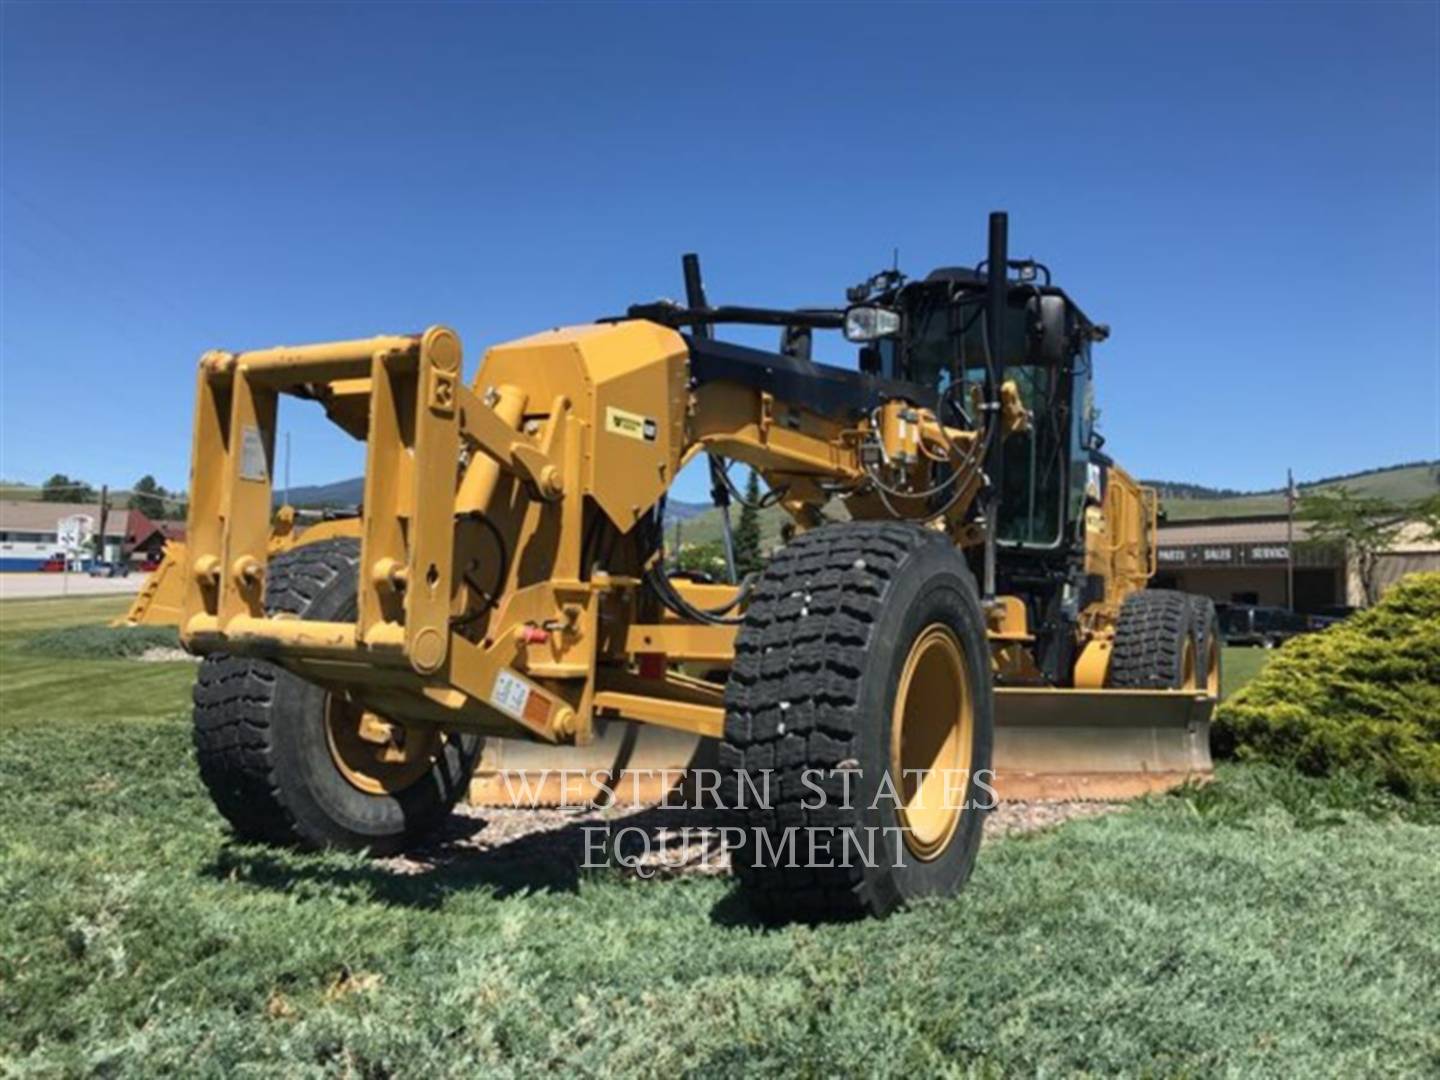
{"x":34,"y":585}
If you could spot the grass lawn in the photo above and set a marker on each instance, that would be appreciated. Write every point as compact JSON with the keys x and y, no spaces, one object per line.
{"x":1258,"y":926}
{"x":1239,"y":665}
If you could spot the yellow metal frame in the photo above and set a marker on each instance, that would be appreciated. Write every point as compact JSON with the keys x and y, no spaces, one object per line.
{"x":476,"y":607}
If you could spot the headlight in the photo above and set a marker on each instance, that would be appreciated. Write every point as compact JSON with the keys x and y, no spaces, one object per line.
{"x":867,"y":322}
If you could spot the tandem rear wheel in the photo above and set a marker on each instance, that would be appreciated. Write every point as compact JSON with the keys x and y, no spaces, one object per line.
{"x":861,"y":688}
{"x":288,"y":763}
{"x":1167,"y":640}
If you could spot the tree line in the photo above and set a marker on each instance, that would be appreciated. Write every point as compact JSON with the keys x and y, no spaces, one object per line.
{"x":147,"y":496}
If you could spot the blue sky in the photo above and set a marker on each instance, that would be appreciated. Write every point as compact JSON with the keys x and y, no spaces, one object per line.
{"x":1246,"y":193}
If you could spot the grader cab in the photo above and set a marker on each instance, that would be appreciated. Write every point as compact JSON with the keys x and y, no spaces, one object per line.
{"x":959,"y":611}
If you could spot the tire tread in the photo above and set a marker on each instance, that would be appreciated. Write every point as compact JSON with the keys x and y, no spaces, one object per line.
{"x":1150,"y":637}
{"x":793,"y":698}
{"x":234,"y":703}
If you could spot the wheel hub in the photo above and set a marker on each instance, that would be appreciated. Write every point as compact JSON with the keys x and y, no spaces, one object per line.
{"x":376,"y":755}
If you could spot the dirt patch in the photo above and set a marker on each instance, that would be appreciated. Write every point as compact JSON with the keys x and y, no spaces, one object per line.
{"x":662,"y":842}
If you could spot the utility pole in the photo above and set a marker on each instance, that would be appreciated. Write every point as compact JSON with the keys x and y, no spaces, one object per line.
{"x":104,"y":515}
{"x":1290,"y":539}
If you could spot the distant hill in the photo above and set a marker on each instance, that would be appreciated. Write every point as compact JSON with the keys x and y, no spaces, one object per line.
{"x":676,"y":510}
{"x":1398,"y":483}
{"x":347,"y":493}
{"x":18,"y":492}
{"x":1170,"y":489}
{"x":1182,"y":501}
{"x":341,"y":493}
{"x":704,"y":527}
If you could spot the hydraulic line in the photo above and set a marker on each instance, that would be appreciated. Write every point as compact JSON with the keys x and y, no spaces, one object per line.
{"x":720,"y":494}
{"x":659,"y":583}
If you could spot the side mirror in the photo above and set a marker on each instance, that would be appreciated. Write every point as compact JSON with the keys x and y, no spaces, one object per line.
{"x":870,"y":322}
{"x":1046,"y":338}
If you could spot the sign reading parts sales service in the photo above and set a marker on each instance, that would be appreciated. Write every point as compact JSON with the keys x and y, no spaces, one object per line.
{"x":1223,"y":554}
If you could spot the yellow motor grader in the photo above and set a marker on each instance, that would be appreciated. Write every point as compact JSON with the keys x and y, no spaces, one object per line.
{"x":978,"y":623}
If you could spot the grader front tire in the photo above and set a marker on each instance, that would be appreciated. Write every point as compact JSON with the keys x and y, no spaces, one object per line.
{"x":862,"y":662}
{"x":277,"y":753}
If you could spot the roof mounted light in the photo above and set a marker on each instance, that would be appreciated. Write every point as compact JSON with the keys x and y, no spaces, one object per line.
{"x":870,"y":322}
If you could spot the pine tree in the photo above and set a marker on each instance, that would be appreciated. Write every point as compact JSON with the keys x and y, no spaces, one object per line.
{"x":747,"y":533}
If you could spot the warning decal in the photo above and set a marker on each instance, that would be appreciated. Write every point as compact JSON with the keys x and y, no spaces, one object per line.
{"x":511,"y":694}
{"x":631,"y":425}
{"x":517,"y":699}
{"x":252,"y":454}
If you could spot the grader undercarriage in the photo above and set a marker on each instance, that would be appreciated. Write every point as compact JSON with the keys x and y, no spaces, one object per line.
{"x":978,"y":625}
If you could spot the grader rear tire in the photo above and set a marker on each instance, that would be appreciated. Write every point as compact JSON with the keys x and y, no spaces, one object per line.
{"x":862,"y":671}
{"x":1154,"y":642}
{"x":286,"y":764}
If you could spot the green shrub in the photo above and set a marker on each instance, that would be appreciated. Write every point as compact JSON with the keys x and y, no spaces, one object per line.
{"x":1361,"y":697}
{"x":99,"y":642}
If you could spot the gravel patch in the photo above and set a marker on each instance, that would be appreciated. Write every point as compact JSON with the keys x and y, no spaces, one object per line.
{"x":161,"y":654}
{"x":1013,"y":818}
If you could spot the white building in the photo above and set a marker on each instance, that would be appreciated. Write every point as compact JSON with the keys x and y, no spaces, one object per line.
{"x":30,"y":532}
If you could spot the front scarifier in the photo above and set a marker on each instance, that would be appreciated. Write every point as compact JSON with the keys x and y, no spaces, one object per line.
{"x":506,"y":581}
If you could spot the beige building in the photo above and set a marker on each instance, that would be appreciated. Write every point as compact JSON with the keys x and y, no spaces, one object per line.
{"x":1245,"y":561}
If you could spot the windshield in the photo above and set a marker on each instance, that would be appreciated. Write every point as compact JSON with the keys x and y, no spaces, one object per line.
{"x":931,"y":340}
{"x":1035,"y":481}
{"x":1046,"y":468}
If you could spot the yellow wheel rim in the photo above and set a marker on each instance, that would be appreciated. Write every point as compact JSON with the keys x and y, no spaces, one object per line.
{"x":1212,"y":667}
{"x":375,"y":755}
{"x":1187,"y":665}
{"x":931,"y":740}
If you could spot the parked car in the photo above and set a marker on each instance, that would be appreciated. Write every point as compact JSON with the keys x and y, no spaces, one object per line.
{"x":110,"y":569}
{"x":55,"y":564}
{"x":1253,"y":624}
